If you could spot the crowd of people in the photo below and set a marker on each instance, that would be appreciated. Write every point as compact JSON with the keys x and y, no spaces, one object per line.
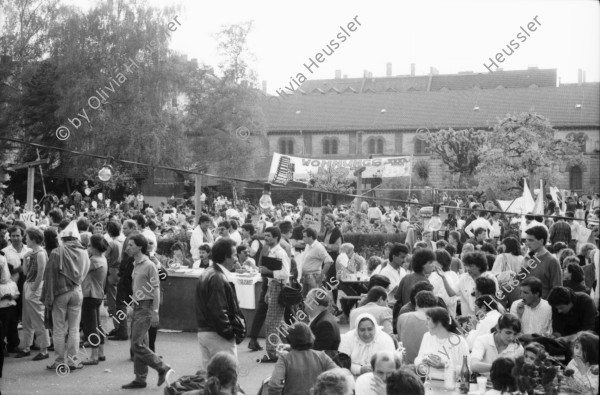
{"x":481,"y":291}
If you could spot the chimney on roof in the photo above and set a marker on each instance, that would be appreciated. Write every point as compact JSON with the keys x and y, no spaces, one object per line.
{"x":579,"y":77}
{"x":365,"y":73}
{"x":388,"y":69}
{"x":369,"y":75}
{"x":345,"y":76}
{"x":584,"y":76}
{"x":433,"y":71}
{"x":194,"y":63}
{"x":338,"y":74}
{"x":532,"y":68}
{"x":412,"y":69}
{"x":264,"y":86}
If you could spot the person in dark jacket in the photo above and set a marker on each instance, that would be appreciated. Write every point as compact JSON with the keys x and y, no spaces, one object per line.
{"x":572,"y":312}
{"x":125,"y":284}
{"x":322,"y":323}
{"x":217,"y":303}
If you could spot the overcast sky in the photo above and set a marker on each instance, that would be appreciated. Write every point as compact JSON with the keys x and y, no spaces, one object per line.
{"x":451,"y":36}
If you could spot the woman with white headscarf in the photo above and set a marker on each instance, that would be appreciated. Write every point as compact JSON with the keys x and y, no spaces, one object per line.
{"x":362,"y":343}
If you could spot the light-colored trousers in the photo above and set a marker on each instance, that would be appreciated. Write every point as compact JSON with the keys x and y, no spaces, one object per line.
{"x":66,"y":316}
{"x":211,"y":343}
{"x":33,"y":316}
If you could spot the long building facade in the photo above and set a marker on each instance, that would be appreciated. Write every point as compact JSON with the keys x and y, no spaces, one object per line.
{"x":362,"y":118}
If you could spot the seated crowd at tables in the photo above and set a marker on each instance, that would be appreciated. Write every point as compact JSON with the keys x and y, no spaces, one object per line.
{"x":425,"y":308}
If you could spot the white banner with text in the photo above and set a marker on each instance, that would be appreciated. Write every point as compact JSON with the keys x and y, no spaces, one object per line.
{"x":286,"y":169}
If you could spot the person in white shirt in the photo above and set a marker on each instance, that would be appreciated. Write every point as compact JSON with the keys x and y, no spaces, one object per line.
{"x":487,"y":316}
{"x":394,"y":270}
{"x":480,"y":222}
{"x":502,"y":343}
{"x":277,"y":280}
{"x":200,"y":235}
{"x":534,"y":312}
{"x":374,"y":213}
{"x":440,"y":345}
{"x":532,"y":221}
{"x":15,"y":252}
{"x":476,"y":266}
{"x":383,"y":364}
{"x":443,"y":262}
{"x":235,"y":234}
{"x":223,"y":231}
{"x":496,"y":226}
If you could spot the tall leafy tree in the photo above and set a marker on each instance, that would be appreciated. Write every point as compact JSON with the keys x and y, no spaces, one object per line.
{"x":522,"y":146}
{"x":459,"y":150}
{"x":224,"y":122}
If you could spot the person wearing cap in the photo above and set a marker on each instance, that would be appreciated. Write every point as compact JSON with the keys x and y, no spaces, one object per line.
{"x":66,"y":269}
{"x":297,"y":369}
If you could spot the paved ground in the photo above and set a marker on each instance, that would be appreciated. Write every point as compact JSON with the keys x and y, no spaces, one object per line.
{"x":180,"y":350}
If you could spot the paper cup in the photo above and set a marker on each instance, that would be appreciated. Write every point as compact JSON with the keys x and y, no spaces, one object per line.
{"x":481,"y":384}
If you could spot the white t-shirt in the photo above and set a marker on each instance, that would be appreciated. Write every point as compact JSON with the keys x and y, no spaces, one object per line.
{"x":236,"y":237}
{"x":363,"y":385}
{"x":395,"y":276}
{"x":439,"y":290}
{"x":484,"y":350}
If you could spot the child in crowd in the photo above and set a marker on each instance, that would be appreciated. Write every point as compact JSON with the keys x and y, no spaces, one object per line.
{"x":582,"y":371}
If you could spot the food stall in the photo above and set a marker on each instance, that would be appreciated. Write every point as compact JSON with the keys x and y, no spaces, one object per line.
{"x":178,"y":310}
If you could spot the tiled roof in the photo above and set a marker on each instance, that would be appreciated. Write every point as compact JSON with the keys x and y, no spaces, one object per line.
{"x":441,"y":109}
{"x":506,"y":79}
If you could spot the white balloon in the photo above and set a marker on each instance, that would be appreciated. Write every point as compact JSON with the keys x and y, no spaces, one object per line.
{"x":100,"y":196}
{"x":87,"y":191}
{"x":94,"y":204}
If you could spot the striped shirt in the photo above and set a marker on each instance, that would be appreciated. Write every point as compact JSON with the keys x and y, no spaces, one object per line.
{"x":535,"y":320}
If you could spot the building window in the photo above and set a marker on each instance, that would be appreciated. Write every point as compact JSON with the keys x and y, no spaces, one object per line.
{"x":286,"y":146}
{"x":421,"y":147}
{"x":578,"y":138}
{"x":376,"y":145}
{"x":330,"y":146}
{"x":575,"y":178}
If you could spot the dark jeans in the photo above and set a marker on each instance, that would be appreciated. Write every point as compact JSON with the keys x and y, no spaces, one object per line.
{"x":348,"y":304}
{"x":90,"y":321}
{"x":261,"y":311}
{"x":121,"y":325}
{"x":20,"y":285}
{"x":152,"y":332}
{"x":142,"y":355}
{"x":2,"y":349}
{"x":8,"y":317}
